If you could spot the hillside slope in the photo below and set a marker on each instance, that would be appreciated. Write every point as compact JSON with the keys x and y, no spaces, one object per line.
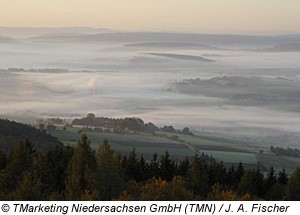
{"x":11,"y":133}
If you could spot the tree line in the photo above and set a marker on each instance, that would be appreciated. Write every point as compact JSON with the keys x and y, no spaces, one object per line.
{"x":124,"y":125}
{"x":285,"y":151}
{"x":81,"y":173}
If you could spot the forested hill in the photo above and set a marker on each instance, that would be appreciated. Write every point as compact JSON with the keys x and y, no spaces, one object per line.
{"x":11,"y":133}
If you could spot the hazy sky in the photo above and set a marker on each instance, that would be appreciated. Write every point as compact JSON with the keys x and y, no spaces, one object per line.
{"x":163,"y":15}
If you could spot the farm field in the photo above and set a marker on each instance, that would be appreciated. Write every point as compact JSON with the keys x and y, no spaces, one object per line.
{"x":278,"y":162}
{"x":296,"y":160}
{"x":183,"y":146}
{"x":218,"y":144}
{"x":143,"y":143}
{"x":232,"y":157}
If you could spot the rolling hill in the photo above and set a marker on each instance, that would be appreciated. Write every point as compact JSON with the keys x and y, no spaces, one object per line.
{"x":11,"y":133}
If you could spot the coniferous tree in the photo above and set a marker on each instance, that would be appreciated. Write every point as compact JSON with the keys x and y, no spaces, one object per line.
{"x":198,"y":177}
{"x":21,"y":160}
{"x":131,"y":166}
{"x":252,"y":182}
{"x":282,"y":177}
{"x":240,"y":171}
{"x":276,"y":192}
{"x":154,"y":167}
{"x":54,"y":168}
{"x":221,"y":174}
{"x":293,"y":186}
{"x":271,"y":178}
{"x":273,"y":190}
{"x":143,"y":169}
{"x":212,"y":174}
{"x":183,"y":167}
{"x":29,"y":189}
{"x":216,"y":173}
{"x":3,"y":160}
{"x":81,"y":176}
{"x":230,"y":178}
{"x":167,"y":167}
{"x":259,"y":179}
{"x":110,"y":177}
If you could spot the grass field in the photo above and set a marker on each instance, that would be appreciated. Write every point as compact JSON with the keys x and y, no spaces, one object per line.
{"x":269,"y":160}
{"x":185,"y":146}
{"x":208,"y":141}
{"x":232,"y":157}
{"x":143,"y":143}
{"x":72,"y":135}
{"x":149,"y":144}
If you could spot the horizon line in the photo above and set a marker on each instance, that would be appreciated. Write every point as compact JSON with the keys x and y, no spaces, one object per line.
{"x":228,"y":32}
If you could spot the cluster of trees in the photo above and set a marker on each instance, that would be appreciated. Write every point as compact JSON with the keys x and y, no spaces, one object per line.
{"x":50,"y":124}
{"x":171,"y":129}
{"x":116,"y":125}
{"x":80,"y":173}
{"x":125,"y":125}
{"x":57,"y":121}
{"x":285,"y":151}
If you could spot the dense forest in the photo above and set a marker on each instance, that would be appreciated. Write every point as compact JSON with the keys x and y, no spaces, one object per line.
{"x":11,"y":133}
{"x":80,"y":173}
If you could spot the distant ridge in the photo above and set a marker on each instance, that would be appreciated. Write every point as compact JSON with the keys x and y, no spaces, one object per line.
{"x":25,"y":32}
{"x":285,"y":47}
{"x":172,"y":45}
{"x":181,"y":57}
{"x":155,"y":37}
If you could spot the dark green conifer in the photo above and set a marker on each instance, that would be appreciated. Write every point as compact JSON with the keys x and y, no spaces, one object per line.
{"x":82,"y":166}
{"x":110,"y":176}
{"x":198,"y":177}
{"x":167,"y":167}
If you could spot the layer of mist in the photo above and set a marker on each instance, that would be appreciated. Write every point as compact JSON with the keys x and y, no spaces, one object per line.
{"x":243,"y":92}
